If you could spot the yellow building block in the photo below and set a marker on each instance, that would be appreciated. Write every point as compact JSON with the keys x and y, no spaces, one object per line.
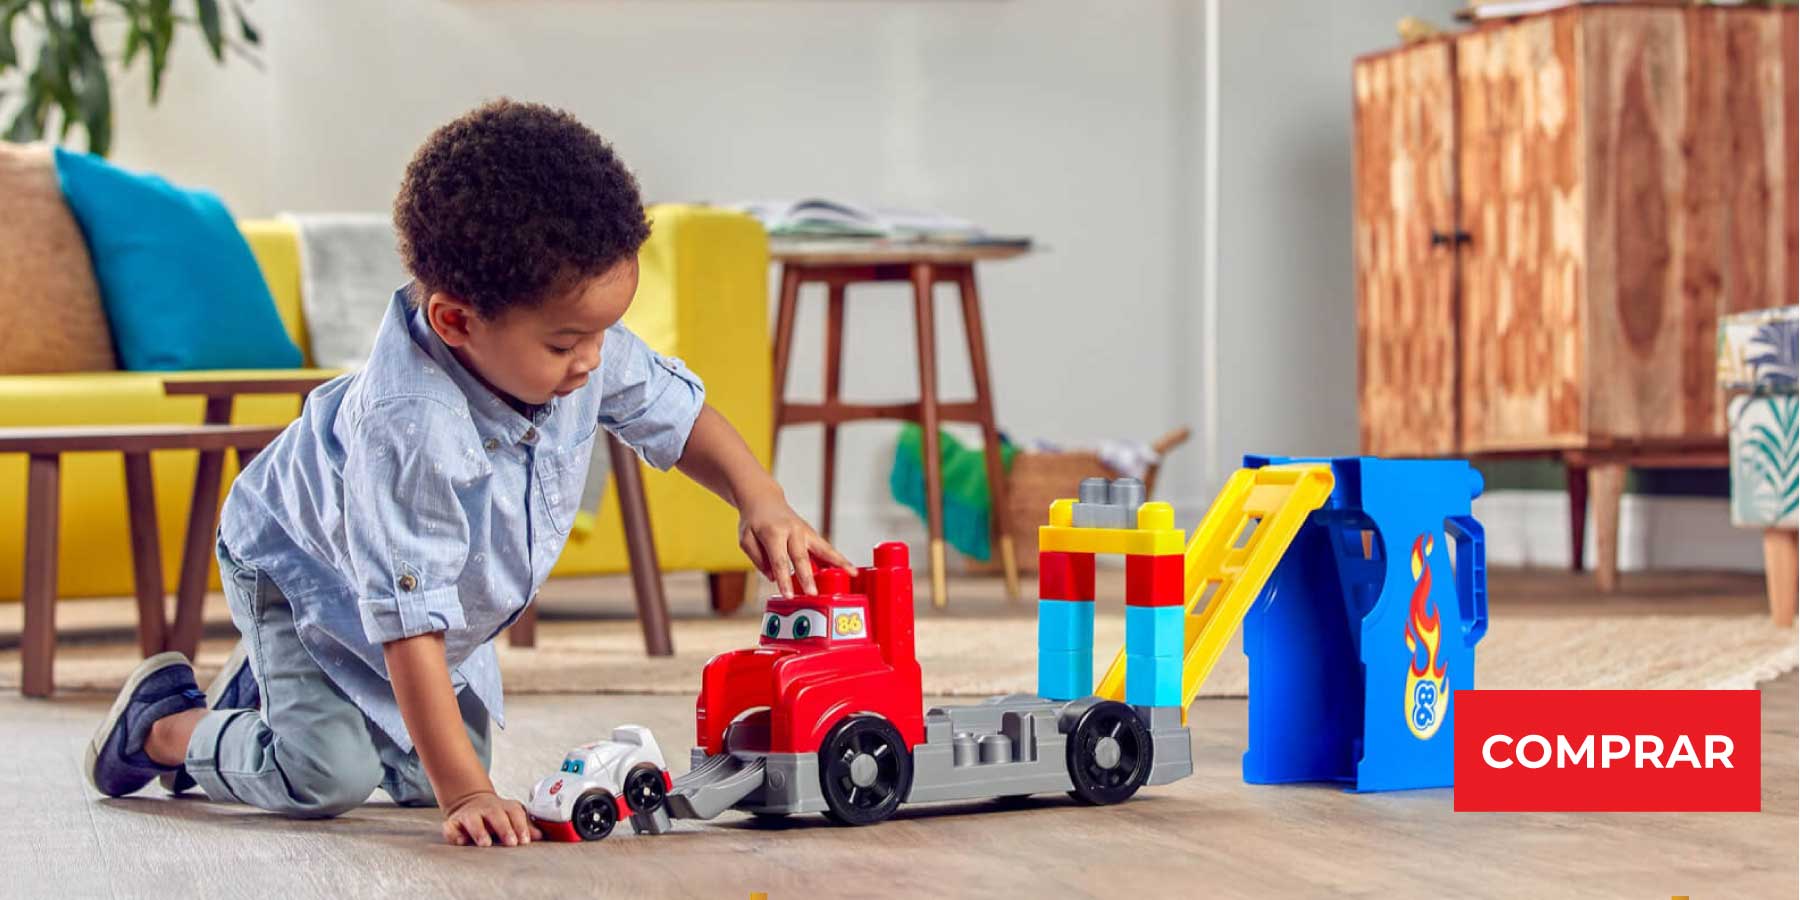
{"x":1123,"y":541}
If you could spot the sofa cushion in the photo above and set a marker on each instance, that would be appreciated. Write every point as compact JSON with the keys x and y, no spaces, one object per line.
{"x":179,"y":284}
{"x":50,"y":315}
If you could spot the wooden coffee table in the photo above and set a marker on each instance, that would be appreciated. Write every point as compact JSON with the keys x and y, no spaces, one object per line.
{"x":45,"y":447}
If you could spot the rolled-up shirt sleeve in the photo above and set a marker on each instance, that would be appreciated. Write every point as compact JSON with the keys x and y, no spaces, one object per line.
{"x":649,"y":400}
{"x":406,"y":530}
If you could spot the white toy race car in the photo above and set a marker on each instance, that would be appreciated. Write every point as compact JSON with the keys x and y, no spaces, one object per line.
{"x":601,"y":783}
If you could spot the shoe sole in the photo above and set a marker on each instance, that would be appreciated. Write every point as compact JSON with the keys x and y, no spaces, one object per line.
{"x":144,"y":670}
{"x":214,"y":690}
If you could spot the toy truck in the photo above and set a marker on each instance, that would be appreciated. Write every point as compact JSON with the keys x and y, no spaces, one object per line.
{"x":825,"y":715}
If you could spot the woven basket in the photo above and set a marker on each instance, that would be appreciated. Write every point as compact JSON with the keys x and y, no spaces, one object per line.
{"x":1037,"y":479}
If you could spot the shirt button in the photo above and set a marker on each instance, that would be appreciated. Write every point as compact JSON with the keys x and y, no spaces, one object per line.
{"x":407,"y":582}
{"x":531,"y":434}
{"x":491,"y":443}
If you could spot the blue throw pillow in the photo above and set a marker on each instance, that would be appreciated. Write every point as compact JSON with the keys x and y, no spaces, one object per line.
{"x":180,"y":286}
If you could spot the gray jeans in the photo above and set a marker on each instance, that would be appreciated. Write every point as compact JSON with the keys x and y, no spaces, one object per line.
{"x":309,"y":752}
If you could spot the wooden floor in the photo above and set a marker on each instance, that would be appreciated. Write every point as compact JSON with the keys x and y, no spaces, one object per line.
{"x":1211,"y":835}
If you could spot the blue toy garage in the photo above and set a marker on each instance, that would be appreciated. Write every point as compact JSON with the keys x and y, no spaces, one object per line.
{"x":1367,"y":627}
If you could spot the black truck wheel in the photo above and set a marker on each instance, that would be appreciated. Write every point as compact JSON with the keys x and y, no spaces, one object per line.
{"x":595,"y":815}
{"x":1108,"y":754}
{"x":864,"y":770}
{"x":645,"y":789}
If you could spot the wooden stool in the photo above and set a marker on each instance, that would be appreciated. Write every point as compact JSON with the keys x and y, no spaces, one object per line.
{"x":839,"y":264}
{"x":45,"y":447}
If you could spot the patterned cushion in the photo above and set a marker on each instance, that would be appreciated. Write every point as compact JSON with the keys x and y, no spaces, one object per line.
{"x":50,"y":314}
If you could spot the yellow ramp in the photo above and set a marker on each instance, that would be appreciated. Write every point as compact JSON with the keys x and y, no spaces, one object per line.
{"x":1238,"y":545}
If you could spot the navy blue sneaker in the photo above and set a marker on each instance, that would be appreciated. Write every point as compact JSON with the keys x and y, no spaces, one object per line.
{"x":160,"y":686}
{"x":233,"y":688}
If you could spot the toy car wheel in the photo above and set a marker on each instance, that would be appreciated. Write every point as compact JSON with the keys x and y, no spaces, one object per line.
{"x":1108,"y":754}
{"x":645,"y":789}
{"x":595,"y":815}
{"x":864,"y":771}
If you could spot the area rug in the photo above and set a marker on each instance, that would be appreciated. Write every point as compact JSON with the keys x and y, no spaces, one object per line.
{"x":979,"y":656}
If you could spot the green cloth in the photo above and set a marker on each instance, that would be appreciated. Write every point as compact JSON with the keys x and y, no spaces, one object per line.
{"x":967,"y":504}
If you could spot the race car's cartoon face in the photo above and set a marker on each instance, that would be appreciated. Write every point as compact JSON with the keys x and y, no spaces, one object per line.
{"x":815,"y":622}
{"x":599,"y":784}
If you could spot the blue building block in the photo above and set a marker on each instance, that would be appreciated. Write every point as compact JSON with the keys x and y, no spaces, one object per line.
{"x":1154,"y":630}
{"x":1065,"y":625}
{"x":1065,"y":674}
{"x":1328,"y":637}
{"x":1153,"y":680}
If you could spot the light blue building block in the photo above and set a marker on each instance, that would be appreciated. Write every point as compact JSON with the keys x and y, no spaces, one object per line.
{"x":1153,"y":680}
{"x":1065,"y":625}
{"x":1154,"y":630}
{"x":1065,"y":674}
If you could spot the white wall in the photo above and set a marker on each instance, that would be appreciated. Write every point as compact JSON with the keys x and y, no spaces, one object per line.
{"x":1077,"y":122}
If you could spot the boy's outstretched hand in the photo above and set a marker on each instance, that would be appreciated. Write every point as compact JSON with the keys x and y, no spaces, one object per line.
{"x":782,"y":545}
{"x":487,"y":819}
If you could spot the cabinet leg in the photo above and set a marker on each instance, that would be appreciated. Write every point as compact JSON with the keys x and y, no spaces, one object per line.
{"x":1607,"y":484}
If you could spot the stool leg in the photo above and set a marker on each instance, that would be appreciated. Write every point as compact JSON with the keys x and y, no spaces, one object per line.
{"x":197,"y":553}
{"x":38,"y":643}
{"x":640,"y":546}
{"x":834,"y":372}
{"x":784,"y":345}
{"x":146,"y":553}
{"x":923,"y":278}
{"x":998,"y":515}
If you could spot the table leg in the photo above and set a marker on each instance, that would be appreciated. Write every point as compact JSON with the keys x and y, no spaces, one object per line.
{"x":1607,"y":484}
{"x":923,"y":277}
{"x":197,"y":553}
{"x":146,"y":553}
{"x":38,"y":643}
{"x":640,"y":546}
{"x":725,"y":591}
{"x":784,"y":345}
{"x":834,"y":372}
{"x":990,"y":431}
{"x":1576,"y":476}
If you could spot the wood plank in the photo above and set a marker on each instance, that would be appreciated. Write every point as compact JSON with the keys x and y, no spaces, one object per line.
{"x":231,"y":387}
{"x":1405,"y":281}
{"x":1520,"y":173}
{"x":1687,"y":194}
{"x":134,"y":438}
{"x":872,"y":252}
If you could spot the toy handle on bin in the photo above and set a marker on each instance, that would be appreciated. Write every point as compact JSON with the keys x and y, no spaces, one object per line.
{"x":1471,"y":575}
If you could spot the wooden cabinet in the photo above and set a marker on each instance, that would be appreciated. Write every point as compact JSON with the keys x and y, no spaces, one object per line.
{"x":1551,"y":215}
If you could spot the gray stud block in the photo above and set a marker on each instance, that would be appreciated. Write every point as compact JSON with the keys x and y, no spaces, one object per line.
{"x":1104,"y":504}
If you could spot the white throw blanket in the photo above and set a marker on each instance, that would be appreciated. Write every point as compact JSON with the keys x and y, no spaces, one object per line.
{"x":349,"y":269}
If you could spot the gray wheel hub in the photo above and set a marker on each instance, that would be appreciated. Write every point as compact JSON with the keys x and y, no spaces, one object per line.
{"x":863,"y":770}
{"x":1106,"y":752}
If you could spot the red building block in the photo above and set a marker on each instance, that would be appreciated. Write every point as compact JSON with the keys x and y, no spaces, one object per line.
{"x":1065,"y":576}
{"x":1154,"y":580}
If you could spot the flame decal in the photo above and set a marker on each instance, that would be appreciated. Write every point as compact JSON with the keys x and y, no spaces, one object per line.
{"x":1426,"y":687}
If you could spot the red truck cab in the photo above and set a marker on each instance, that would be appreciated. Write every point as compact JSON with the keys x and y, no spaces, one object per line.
{"x":847,"y":650}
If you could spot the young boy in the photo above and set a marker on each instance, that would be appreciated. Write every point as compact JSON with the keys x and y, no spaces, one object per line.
{"x":378,"y":546}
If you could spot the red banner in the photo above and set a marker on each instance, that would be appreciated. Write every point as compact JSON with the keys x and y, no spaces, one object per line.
{"x":1608,"y":751}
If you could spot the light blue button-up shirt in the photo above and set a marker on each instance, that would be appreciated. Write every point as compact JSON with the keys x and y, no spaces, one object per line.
{"x":409,"y":498}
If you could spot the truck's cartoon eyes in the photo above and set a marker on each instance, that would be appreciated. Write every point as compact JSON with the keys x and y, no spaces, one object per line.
{"x":572,"y":766}
{"x":795,"y":626}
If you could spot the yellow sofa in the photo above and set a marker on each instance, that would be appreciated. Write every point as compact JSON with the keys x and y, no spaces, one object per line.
{"x":702,"y":296}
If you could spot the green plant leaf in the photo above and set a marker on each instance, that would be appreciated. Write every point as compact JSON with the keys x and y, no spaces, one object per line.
{"x":162,"y":32}
{"x":208,"y":13}
{"x":248,"y":31}
{"x":95,"y":93}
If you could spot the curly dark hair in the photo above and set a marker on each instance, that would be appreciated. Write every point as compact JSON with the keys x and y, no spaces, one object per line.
{"x":512,"y":203}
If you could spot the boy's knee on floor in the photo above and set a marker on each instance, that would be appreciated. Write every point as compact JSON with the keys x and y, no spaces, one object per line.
{"x":329,"y":782}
